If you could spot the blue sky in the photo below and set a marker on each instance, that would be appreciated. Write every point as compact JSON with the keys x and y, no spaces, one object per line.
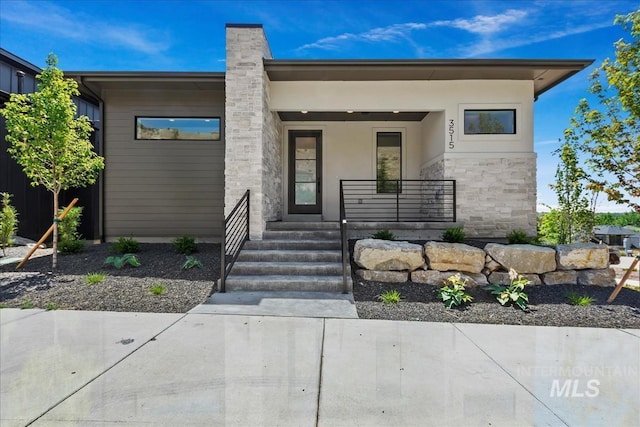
{"x":189,"y":36}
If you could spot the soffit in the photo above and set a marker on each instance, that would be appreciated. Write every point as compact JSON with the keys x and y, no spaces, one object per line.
{"x":356,"y":116}
{"x":544,"y":73}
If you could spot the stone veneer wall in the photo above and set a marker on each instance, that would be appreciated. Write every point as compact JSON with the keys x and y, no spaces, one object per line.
{"x":494,"y":195}
{"x":252,"y":149}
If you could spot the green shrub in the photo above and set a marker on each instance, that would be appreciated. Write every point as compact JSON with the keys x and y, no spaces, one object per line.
{"x":185,"y":245}
{"x":453,"y":294}
{"x":120,"y":261}
{"x":124,"y":246}
{"x":191,"y":262}
{"x":454,"y":235}
{"x":69,"y":240}
{"x":70,"y":246}
{"x":384,"y":235}
{"x":8,"y":222}
{"x":512,"y":294}
{"x":51,"y":306}
{"x":390,"y":297}
{"x":518,"y":237}
{"x":26,"y":304}
{"x":580,"y":300}
{"x":93,"y":278}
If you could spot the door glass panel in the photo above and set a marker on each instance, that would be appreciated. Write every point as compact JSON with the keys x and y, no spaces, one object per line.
{"x":305,"y":171}
{"x":306,"y":193}
{"x":305,"y":147}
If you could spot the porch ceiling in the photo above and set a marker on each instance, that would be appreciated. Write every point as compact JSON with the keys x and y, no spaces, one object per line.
{"x":545,"y":73}
{"x":356,"y":116}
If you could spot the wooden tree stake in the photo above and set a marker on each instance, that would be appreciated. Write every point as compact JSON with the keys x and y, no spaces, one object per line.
{"x":47,"y":234}
{"x":616,"y":291}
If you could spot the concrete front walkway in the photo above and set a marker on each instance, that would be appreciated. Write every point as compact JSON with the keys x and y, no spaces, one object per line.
{"x":63,"y":368}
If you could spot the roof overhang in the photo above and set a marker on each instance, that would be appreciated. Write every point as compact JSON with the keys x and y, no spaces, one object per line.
{"x":544,"y":73}
{"x":97,"y":81}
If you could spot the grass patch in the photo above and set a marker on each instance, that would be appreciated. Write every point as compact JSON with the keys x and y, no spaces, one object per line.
{"x":51,"y":306}
{"x":26,"y":304}
{"x":580,"y":300}
{"x":93,"y":278}
{"x":157,"y":289}
{"x":390,"y":297}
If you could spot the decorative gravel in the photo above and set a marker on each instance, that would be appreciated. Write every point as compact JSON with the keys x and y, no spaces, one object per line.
{"x":128,"y":289}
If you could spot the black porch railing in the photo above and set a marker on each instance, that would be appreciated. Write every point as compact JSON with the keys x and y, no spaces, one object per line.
{"x":406,"y":200}
{"x":236,"y":233}
{"x":344,"y":242}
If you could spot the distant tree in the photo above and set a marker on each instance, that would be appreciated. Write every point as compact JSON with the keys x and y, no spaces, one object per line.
{"x":609,"y":133}
{"x":619,"y":219}
{"x":47,"y":139}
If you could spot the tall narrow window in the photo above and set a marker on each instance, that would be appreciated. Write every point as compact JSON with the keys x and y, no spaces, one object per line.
{"x":389,"y":162}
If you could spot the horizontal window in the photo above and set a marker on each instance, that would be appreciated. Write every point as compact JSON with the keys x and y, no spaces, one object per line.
{"x":489,"y":122}
{"x":178,"y":128}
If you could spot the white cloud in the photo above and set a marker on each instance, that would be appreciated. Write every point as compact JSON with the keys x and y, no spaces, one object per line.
{"x":391,"y":33}
{"x":60,"y":22}
{"x":484,"y":25}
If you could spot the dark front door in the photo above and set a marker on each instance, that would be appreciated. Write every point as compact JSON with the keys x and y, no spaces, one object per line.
{"x":305,"y":172}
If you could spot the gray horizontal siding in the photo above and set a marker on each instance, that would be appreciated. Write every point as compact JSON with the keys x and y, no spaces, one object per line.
{"x":162,"y":188}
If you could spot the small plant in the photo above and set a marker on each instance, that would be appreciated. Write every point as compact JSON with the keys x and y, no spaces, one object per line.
{"x":51,"y":306}
{"x":384,"y":235}
{"x":157,"y":289}
{"x":454,"y":235}
{"x":453,"y":294}
{"x":191,"y":262}
{"x":26,"y":304}
{"x":512,"y":294}
{"x":124,"y":246}
{"x":120,"y":261}
{"x":93,"y":278}
{"x":70,"y":241}
{"x":3,"y":305}
{"x":580,"y":300}
{"x":390,"y":297}
{"x":8,"y":222}
{"x":185,"y":245}
{"x":518,"y":237}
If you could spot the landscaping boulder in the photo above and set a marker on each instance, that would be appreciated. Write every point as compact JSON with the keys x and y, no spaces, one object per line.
{"x":602,"y":277}
{"x":385,"y":255}
{"x":525,"y":259}
{"x":560,"y":277}
{"x":490,"y":265}
{"x":443,"y":256}
{"x":383,"y":276}
{"x":582,"y":256}
{"x":502,"y":278}
{"x":438,"y":278}
{"x":614,"y":256}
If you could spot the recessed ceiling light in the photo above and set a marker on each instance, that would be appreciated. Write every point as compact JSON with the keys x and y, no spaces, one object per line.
{"x":349,"y":111}
{"x":304,"y":111}
{"x":395,"y":111}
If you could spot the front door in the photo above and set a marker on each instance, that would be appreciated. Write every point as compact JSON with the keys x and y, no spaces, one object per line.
{"x":305,"y":172}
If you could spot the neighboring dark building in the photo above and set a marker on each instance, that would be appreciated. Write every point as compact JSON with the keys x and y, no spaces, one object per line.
{"x":612,"y":234}
{"x":34,"y":204}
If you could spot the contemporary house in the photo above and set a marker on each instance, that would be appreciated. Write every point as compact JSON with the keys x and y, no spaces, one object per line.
{"x":409,"y":141}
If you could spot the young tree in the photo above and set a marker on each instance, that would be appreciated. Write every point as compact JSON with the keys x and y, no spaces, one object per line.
{"x":47,"y":139}
{"x":610,"y":132}
{"x":574,"y":218}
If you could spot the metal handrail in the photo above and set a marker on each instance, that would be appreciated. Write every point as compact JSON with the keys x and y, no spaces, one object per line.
{"x":236,"y":233}
{"x":399,"y":200}
{"x":345,"y":243}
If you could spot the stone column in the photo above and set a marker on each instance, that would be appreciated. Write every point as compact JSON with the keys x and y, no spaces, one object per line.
{"x":252,"y":137}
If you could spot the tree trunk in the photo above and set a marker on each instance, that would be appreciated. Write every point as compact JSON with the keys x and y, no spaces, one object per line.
{"x":54,"y":256}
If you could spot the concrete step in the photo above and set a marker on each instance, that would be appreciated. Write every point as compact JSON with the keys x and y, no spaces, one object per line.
{"x":293,"y":245}
{"x":286,"y":268}
{"x":286,"y":283}
{"x":290,"y":256}
{"x":295,"y":225}
{"x":301,"y":235}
